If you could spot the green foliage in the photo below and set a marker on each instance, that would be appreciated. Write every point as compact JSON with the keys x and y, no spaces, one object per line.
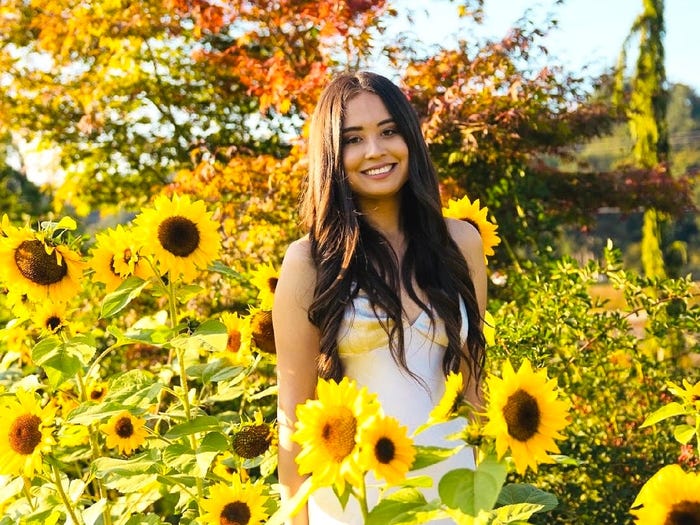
{"x":613,"y":356}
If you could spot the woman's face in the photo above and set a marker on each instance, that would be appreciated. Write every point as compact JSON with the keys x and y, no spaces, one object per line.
{"x":375,"y":154}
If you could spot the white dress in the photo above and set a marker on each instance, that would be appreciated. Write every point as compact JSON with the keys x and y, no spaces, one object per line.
{"x":364,"y":350}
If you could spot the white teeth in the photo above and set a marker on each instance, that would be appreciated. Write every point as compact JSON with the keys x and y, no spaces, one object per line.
{"x":379,"y":171}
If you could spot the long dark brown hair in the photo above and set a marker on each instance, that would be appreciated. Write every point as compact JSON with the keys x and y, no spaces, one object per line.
{"x":350,"y":255}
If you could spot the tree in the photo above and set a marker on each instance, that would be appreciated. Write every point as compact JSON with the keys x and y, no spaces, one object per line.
{"x":647,"y":118}
{"x":130,"y":90}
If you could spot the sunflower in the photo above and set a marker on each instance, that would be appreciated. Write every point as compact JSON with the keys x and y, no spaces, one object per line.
{"x":265,"y":278}
{"x":25,"y":434}
{"x":125,"y":432}
{"x":39,"y":268}
{"x":237,"y":351}
{"x":327,"y":429}
{"x":116,"y":257}
{"x":225,"y":466}
{"x":253,"y":439}
{"x":235,"y":503}
{"x":74,"y":435}
{"x":51,"y":317}
{"x":689,"y":394}
{"x":670,"y":497}
{"x":386,"y":449}
{"x":525,"y":415}
{"x":446,"y":407}
{"x":96,"y":391}
{"x":180,"y":235}
{"x":465,"y":210}
{"x":262,"y":330}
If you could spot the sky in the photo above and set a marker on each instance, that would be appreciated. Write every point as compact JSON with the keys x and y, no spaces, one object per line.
{"x":589,"y":36}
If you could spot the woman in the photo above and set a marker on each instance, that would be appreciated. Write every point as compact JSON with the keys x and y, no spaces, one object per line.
{"x":383,"y":289}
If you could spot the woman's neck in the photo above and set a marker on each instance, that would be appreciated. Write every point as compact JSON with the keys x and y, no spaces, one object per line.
{"x":384,"y":217}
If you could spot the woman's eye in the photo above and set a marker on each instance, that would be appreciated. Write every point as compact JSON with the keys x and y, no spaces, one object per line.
{"x":351,"y":140}
{"x":389,"y":132}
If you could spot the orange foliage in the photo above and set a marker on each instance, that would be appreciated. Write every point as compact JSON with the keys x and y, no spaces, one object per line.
{"x":283,"y":49}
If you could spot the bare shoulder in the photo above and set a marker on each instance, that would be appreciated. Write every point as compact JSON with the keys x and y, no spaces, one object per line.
{"x":466,"y":236}
{"x":299,"y":253}
{"x":298,"y":272}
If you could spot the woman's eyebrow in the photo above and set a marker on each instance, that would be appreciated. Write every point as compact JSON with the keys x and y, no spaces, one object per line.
{"x":358,"y":128}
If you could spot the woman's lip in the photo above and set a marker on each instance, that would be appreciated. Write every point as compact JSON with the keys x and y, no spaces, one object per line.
{"x":386,"y":168}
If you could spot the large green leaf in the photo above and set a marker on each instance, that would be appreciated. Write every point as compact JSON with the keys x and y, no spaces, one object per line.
{"x":514,"y":493}
{"x":116,"y":301}
{"x":406,"y":506}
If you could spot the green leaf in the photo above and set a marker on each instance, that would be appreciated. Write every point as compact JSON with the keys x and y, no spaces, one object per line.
{"x":59,"y":361}
{"x":180,"y":457}
{"x":516,"y":513}
{"x":400,"y":507}
{"x":219,"y":267}
{"x":514,"y":493}
{"x":666,"y":411}
{"x":211,"y":335}
{"x":194,"y":426}
{"x":134,"y":388}
{"x":116,"y":301}
{"x":473,"y":490}
{"x":426,"y":456}
{"x":683,"y":433}
{"x":212,"y":444}
{"x":457,"y":489}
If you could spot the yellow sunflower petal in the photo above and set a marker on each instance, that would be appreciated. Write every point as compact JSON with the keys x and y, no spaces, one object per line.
{"x":386,"y":449}
{"x":32,"y":267}
{"x":25,"y":434}
{"x":525,"y":415}
{"x":670,"y":496}
{"x":124,"y":432}
{"x":235,"y":502}
{"x":465,"y":210}
{"x":179,"y":235}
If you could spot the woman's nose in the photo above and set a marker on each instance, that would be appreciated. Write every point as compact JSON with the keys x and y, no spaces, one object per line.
{"x":373,"y":147}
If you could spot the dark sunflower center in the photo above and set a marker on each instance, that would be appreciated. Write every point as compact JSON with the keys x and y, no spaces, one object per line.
{"x":339,"y":434}
{"x":684,"y":513}
{"x":126,"y":255}
{"x":24,"y":434}
{"x":236,"y":513}
{"x":272,"y":284}
{"x":53,"y":322}
{"x":178,"y":235}
{"x":97,"y":393}
{"x":384,"y":450}
{"x":38,"y":266}
{"x":522,"y":415}
{"x":234,"y":341}
{"x":252,"y":441}
{"x":263,"y":331}
{"x":112,"y":267}
{"x":124,"y":428}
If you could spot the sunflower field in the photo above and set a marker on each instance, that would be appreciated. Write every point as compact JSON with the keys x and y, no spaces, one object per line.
{"x":128,"y":399}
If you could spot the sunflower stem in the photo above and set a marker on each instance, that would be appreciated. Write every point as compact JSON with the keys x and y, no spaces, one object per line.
{"x":362,"y":498}
{"x":27,"y":493}
{"x":188,"y":413}
{"x":64,"y":496}
{"x":95,"y":451}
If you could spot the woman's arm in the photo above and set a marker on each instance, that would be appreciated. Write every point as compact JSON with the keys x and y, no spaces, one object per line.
{"x":297,"y":343}
{"x":470,"y":244}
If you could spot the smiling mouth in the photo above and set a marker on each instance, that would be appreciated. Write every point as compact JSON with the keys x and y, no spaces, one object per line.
{"x":373,"y":172}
